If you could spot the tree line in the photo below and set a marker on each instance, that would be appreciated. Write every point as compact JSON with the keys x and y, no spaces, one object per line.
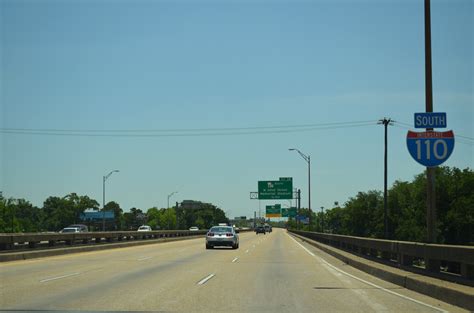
{"x":363,"y":214}
{"x":19,"y":215}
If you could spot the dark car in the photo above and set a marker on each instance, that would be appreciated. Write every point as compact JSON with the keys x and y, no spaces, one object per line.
{"x":260,"y":229}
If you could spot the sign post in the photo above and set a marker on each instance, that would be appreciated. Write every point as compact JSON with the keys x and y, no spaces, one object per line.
{"x":431,"y":149}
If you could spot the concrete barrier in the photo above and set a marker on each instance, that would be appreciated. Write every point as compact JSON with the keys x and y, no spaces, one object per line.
{"x":449,"y":262}
{"x":31,"y":240}
{"x":25,"y":255}
{"x":82,"y":242}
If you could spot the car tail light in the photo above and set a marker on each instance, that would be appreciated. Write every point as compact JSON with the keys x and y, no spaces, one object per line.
{"x":229,"y":235}
{"x":210,"y":234}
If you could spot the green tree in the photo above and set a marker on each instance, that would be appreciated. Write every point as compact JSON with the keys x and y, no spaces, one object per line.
{"x":168,"y":219}
{"x":9,"y":222}
{"x":153,"y":218}
{"x":362,"y":215}
{"x":61,"y":212}
{"x":133,"y":219}
{"x":118,"y":214}
{"x":29,"y":218}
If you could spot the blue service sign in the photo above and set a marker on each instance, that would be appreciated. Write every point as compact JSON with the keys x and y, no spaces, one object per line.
{"x":430,"y":148}
{"x":97,"y":215}
{"x":430,"y":120}
{"x":302,"y":219}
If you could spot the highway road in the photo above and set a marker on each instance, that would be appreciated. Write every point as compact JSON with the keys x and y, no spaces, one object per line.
{"x":268,"y":273}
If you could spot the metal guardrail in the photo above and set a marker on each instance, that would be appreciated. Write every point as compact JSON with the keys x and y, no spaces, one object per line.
{"x":32,"y":240}
{"x":444,"y":260}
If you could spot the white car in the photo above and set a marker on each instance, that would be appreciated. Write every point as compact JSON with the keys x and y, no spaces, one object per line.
{"x":193,"y":228}
{"x":70,"y":230}
{"x":222,"y":236}
{"x":144,"y":228}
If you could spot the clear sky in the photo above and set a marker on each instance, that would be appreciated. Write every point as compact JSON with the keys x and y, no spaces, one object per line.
{"x":173,"y":65}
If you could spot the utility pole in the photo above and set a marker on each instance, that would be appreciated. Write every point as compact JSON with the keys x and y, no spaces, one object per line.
{"x":430,"y":171}
{"x":385,"y":122}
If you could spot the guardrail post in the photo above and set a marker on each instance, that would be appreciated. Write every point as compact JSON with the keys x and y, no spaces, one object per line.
{"x":386,"y":255}
{"x":432,"y":265}
{"x":32,"y":244}
{"x":51,"y":243}
{"x":467,"y":271}
{"x":405,"y":260}
{"x":373,"y":253}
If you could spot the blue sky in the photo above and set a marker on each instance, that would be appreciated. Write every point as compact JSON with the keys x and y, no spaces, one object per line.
{"x":142,"y":65}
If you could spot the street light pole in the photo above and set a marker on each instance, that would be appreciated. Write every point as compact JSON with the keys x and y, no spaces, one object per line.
{"x":104,"y":179}
{"x":169,"y":196}
{"x":307,"y":158}
{"x":322,"y":219}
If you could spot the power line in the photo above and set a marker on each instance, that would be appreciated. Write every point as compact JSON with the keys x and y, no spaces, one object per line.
{"x":184,"y":129}
{"x":189,"y":132}
{"x":410,"y":127}
{"x":458,"y":140}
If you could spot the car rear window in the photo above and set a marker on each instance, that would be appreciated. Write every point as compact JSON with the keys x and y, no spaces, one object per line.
{"x":221,"y":229}
{"x":69,"y":230}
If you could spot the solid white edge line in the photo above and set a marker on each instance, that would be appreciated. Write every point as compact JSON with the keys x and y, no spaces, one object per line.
{"x":367,"y":282}
{"x":234,"y":260}
{"x":145,"y":258}
{"x":205,"y":279}
{"x":58,"y":277}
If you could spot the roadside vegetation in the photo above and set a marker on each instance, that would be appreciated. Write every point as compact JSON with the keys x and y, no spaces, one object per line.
{"x":362,"y":215}
{"x":19,"y":215}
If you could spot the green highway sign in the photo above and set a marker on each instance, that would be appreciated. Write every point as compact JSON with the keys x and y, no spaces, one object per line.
{"x":273,"y":210}
{"x":288,"y":212}
{"x":275,"y":189}
{"x":292,"y":212}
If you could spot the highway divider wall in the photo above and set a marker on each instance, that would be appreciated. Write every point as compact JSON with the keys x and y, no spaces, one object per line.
{"x":33,"y":245}
{"x":10,"y":241}
{"x":448,"y":262}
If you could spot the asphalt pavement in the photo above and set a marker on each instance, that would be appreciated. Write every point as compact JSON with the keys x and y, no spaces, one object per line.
{"x":268,"y":273}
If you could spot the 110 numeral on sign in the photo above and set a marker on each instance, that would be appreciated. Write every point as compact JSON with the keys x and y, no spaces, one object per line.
{"x":430,"y":148}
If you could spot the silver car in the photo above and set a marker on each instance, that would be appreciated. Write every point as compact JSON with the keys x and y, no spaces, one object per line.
{"x":222,"y":236}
